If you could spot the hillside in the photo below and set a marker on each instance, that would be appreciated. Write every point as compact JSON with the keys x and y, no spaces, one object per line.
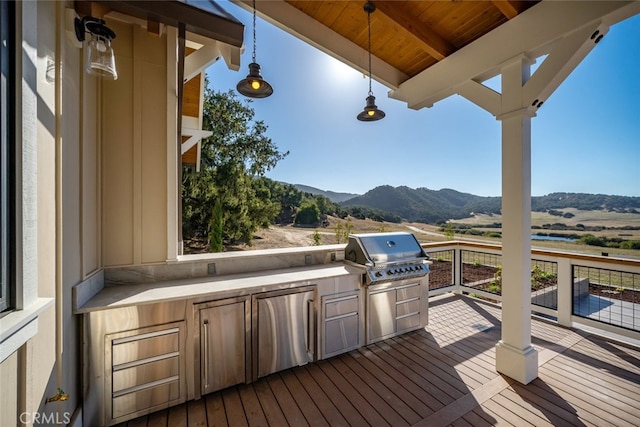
{"x":424,"y":205}
{"x":335,"y":197}
{"x":436,"y":206}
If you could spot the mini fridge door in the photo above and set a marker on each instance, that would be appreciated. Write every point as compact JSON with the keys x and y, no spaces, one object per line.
{"x":284,"y":325}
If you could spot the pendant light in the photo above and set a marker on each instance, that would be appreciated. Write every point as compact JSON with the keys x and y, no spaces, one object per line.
{"x":99,"y":58}
{"x":371,"y":112}
{"x":254,"y":86}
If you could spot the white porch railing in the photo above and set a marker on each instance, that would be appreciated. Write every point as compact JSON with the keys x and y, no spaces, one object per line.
{"x":576,"y":290}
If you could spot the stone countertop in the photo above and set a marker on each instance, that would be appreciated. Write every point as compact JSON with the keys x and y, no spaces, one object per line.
{"x":117,"y":296}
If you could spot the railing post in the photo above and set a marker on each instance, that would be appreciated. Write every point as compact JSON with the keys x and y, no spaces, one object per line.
{"x":457,"y":269}
{"x":565,"y":291}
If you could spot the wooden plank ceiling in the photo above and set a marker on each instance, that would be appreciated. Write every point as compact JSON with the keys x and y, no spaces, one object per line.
{"x":413,"y":35}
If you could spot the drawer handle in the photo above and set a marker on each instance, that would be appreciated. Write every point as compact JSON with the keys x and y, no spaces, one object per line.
{"x":310,"y":318}
{"x":205,"y":362}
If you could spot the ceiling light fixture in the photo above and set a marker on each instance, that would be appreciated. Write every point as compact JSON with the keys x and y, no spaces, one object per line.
{"x":254,"y":86}
{"x":371,"y":112}
{"x":99,"y":58}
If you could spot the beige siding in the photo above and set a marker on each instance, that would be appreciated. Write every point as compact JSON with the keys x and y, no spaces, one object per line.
{"x":117,"y":155}
{"x":134,"y":151}
{"x":9,"y":401}
{"x":90,"y":191}
{"x":40,"y":374}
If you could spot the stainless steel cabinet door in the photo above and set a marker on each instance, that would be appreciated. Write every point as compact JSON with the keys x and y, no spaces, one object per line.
{"x":341,"y":322}
{"x":222,"y":346}
{"x":381,"y":315}
{"x":284,"y":326}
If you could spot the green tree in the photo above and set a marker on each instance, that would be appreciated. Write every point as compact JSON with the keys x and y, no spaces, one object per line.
{"x":339,"y":232}
{"x":216,"y":228}
{"x":317,"y":240}
{"x":449,"y":233}
{"x":343,"y":229}
{"x":233,"y":162}
{"x":309,"y":213}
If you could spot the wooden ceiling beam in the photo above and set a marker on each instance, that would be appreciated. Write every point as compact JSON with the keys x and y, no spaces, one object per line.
{"x":509,"y":8}
{"x":428,"y":40}
{"x":89,"y":8}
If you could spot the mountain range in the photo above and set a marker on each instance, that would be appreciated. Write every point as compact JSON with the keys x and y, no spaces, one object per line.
{"x":434,"y":206}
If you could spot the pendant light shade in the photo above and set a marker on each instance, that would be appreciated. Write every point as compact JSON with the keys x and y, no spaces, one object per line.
{"x":254,"y":86}
{"x":99,"y":58}
{"x":371,"y":113}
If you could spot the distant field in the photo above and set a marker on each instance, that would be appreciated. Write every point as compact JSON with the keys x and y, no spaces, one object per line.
{"x":289,"y":236}
{"x":587,"y":218}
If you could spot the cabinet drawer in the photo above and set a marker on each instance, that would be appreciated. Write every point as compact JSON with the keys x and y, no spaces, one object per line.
{"x":341,"y":306}
{"x":341,"y":335}
{"x":409,"y":307}
{"x":144,"y":346}
{"x":146,"y":373}
{"x":409,"y":292}
{"x":146,"y":399}
{"x":409,"y":322}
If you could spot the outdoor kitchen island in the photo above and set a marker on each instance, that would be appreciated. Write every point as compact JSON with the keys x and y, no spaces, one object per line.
{"x":148,"y":346}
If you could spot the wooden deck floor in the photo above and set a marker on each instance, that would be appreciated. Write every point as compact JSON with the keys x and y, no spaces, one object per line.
{"x":442,"y":376}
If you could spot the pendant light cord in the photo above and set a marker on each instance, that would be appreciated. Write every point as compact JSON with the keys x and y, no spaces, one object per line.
{"x":254,"y":32}
{"x":369,"y":27}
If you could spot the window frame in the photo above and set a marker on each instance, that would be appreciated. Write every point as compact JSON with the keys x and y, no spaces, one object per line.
{"x":7,"y":156}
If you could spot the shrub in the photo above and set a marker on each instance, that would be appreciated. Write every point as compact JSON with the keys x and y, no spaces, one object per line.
{"x":630,"y":244}
{"x":308,"y":214}
{"x":590,"y":239}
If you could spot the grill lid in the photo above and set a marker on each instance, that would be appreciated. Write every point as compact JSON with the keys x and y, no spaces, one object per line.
{"x":375,"y":249}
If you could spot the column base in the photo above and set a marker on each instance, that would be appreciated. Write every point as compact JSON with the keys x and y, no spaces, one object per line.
{"x":521,"y":365}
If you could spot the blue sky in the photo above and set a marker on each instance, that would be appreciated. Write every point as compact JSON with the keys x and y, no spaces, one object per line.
{"x":586,"y":137}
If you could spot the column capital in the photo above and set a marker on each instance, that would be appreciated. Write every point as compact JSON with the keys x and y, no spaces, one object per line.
{"x":520,"y":112}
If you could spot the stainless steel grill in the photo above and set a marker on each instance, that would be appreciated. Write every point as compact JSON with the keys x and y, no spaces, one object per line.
{"x":387,"y":256}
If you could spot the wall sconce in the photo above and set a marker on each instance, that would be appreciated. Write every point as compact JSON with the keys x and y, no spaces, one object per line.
{"x":99,"y":59}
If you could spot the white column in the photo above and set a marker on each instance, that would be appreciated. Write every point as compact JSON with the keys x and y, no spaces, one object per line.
{"x":515,"y":357}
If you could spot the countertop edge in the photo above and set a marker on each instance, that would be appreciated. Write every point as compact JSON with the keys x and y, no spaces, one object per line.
{"x":120,"y":296}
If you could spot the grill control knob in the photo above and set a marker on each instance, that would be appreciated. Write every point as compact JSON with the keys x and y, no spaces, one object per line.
{"x":378,"y":274}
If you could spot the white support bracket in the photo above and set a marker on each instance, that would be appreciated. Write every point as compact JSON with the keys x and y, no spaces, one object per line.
{"x":484,"y":97}
{"x":195,"y":136}
{"x":230,"y":54}
{"x":561,"y":61}
{"x":198,"y":61}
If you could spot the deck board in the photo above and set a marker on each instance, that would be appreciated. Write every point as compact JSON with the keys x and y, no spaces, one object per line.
{"x":287,"y":403}
{"x":345,"y":406}
{"x":432,"y":379}
{"x":306,"y":405}
{"x":399,"y":392}
{"x":269,"y":404}
{"x":329,"y":411}
{"x":251,"y":404}
{"x":215,"y":410}
{"x":443,"y":375}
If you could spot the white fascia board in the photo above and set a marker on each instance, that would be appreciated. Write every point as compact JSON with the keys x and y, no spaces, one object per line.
{"x":302,"y":26}
{"x":533,"y":33}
